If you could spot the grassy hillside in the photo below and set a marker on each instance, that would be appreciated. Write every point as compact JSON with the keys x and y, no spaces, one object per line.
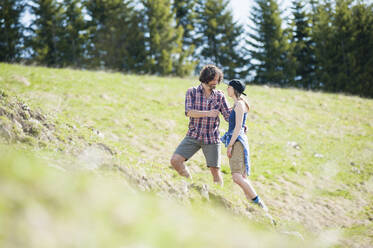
{"x":312,"y":163}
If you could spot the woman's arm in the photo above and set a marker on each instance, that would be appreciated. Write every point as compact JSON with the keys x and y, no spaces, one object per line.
{"x":239,"y":118}
{"x":224,"y":109}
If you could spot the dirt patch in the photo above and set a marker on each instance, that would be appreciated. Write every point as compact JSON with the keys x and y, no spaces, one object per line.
{"x":18,"y":123}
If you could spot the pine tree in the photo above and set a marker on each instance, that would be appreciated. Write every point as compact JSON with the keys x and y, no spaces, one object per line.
{"x":362,"y":26}
{"x":134,"y":52}
{"x":220,"y":38}
{"x":322,"y":35}
{"x":269,"y":50}
{"x":302,"y":50}
{"x":116,"y":40}
{"x":11,"y":29}
{"x":342,"y":23}
{"x":333,"y":36}
{"x":185,"y":15}
{"x":164,"y":42}
{"x":73,"y":40}
{"x":313,"y":9}
{"x":47,"y":32}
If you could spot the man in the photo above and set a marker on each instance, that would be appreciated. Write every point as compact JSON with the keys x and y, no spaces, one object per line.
{"x":202,"y":105}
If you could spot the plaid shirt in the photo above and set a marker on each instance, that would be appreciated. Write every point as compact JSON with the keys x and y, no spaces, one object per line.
{"x":205,"y":129}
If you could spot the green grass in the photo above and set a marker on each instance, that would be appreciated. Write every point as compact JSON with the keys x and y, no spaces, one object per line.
{"x":141,"y":118}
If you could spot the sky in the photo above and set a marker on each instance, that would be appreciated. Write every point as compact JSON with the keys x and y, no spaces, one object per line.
{"x":241,"y":9}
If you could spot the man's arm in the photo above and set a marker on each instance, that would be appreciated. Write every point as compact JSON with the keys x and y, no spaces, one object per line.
{"x":189,"y":101}
{"x":199,"y":114}
{"x":225,"y":111}
{"x":189,"y":105}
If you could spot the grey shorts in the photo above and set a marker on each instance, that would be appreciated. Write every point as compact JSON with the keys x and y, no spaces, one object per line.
{"x":189,"y":146}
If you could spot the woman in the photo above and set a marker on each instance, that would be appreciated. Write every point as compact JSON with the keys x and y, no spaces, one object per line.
{"x":236,"y":142}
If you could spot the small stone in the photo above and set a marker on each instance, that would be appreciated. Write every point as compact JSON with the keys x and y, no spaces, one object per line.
{"x":308,"y":174}
{"x":25,"y":107}
{"x":184,"y":187}
{"x":294,"y":144}
{"x":318,"y":155}
{"x":104,"y":96}
{"x":204,"y":192}
{"x":356,"y":170}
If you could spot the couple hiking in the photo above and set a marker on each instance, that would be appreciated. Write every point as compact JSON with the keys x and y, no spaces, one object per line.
{"x":203,"y":105}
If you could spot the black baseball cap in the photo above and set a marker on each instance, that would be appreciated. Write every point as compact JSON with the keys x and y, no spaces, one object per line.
{"x":237,"y":85}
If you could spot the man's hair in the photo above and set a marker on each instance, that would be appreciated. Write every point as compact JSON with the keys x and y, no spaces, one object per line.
{"x":208,"y":74}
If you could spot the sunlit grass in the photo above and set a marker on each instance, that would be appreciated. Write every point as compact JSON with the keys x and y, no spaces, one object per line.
{"x":303,"y":144}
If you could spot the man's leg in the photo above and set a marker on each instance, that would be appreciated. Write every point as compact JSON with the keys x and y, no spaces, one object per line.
{"x":177,"y":161}
{"x":186,"y":149}
{"x":213,"y":159}
{"x":216,"y":175}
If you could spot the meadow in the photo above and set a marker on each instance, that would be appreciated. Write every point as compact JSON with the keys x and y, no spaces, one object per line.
{"x":85,"y":155}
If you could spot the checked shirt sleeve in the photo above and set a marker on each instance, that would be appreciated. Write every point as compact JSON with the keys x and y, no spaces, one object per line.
{"x":189,"y":101}
{"x":224,"y":108}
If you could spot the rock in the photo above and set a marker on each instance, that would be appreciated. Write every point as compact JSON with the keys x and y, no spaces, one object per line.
{"x":98,"y":133}
{"x":3,"y":112}
{"x":184,"y":187}
{"x":204,"y":192}
{"x":317,"y":155}
{"x":308,"y":174}
{"x":5,"y":131}
{"x":104,"y":96}
{"x":294,"y":144}
{"x":25,"y":107}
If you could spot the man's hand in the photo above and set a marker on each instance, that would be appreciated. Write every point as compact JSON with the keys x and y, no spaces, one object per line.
{"x":213,"y":113}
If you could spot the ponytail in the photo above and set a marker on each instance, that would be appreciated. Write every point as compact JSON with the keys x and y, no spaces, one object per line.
{"x":239,"y":96}
{"x":246,"y":103}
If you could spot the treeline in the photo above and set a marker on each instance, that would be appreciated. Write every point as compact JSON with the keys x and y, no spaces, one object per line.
{"x":325,"y":45}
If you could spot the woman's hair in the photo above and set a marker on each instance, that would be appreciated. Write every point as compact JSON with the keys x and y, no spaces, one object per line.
{"x":208,"y":74}
{"x":239,"y":97}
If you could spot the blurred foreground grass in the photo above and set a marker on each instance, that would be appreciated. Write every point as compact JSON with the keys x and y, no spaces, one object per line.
{"x":46,"y":207}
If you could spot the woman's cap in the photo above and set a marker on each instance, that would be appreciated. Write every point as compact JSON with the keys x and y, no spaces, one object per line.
{"x":237,"y":85}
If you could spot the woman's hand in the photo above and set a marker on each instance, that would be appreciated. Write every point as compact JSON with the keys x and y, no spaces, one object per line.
{"x":229,"y":151}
